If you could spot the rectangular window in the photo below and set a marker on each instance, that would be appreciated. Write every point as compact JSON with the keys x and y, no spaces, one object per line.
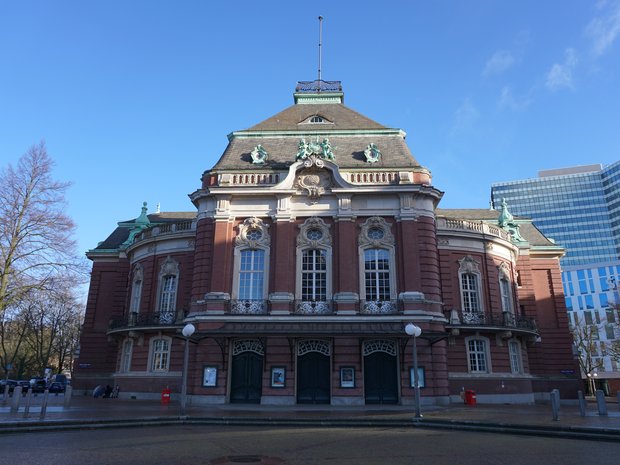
{"x":569,"y":303}
{"x":126,"y":356}
{"x":514,"y":351}
{"x":588,"y":317}
{"x":609,"y":332}
{"x":610,"y":315}
{"x":313,"y":275}
{"x":477,"y":349}
{"x":160,"y":356}
{"x":136,"y":291}
{"x":251,"y":274}
{"x":583,"y":286}
{"x":603,"y":300}
{"x":168,"y":294}
{"x":469,"y":283}
{"x":377,"y":274}
{"x":506,"y":295}
{"x":589,"y":302}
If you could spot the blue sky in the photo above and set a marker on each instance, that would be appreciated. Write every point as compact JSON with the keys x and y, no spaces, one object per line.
{"x":135,"y":98}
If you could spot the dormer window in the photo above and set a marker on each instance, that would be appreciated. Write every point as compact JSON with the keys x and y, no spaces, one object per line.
{"x":317,"y":119}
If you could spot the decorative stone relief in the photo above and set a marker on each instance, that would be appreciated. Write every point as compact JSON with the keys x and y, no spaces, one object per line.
{"x":469,"y":265}
{"x":314,"y":233}
{"x":253,"y":233}
{"x":314,"y":182}
{"x":376,"y":233}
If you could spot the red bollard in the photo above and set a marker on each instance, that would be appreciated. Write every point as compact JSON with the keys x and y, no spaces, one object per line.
{"x":470,"y":397}
{"x":165,"y":396}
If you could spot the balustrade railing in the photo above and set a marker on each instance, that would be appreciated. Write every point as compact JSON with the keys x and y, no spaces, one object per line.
{"x":166,"y":229}
{"x":475,"y":226}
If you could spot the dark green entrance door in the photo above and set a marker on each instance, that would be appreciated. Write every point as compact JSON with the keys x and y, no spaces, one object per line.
{"x":313,"y":384}
{"x":380,"y":378}
{"x":246,"y":378}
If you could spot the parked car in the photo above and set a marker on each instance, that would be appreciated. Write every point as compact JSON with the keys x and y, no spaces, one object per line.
{"x":38,"y":384}
{"x":10,"y":382}
{"x":60,"y":378}
{"x":56,"y":388}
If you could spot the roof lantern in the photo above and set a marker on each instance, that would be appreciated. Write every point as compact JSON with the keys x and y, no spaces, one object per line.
{"x":318,"y":91}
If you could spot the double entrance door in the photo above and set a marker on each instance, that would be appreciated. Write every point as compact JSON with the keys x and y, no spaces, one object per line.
{"x":246,"y":378}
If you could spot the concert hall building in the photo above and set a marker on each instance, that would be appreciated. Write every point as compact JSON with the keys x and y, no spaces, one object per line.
{"x":313,"y":241}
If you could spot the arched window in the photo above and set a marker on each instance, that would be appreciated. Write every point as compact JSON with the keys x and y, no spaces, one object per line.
{"x":505,"y":288}
{"x":159,"y":354}
{"x":377,"y":276}
{"x":136,"y":289}
{"x":126,"y":354}
{"x":478,"y":354}
{"x":317,"y":119}
{"x":251,"y":267}
{"x":314,"y":252}
{"x":168,"y":282}
{"x":470,"y":284}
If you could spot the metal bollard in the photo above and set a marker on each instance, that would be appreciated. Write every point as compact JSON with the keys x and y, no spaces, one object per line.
{"x":555,"y":404}
{"x":600,"y":402}
{"x":28,"y":400}
{"x":5,"y":395}
{"x":67,"y":400}
{"x":582,"y":404}
{"x":44,"y":404}
{"x":17,"y":394}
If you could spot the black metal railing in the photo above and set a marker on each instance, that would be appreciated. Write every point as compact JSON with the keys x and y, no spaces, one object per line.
{"x":504,"y":319}
{"x":319,"y":86}
{"x":379,"y":307}
{"x":248,"y":307}
{"x":134,"y":320}
{"x":313,"y":307}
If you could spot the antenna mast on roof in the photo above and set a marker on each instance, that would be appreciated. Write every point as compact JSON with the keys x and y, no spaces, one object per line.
{"x":320,"y":46}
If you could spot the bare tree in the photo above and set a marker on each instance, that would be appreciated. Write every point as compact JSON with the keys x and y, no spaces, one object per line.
{"x":36,"y":243}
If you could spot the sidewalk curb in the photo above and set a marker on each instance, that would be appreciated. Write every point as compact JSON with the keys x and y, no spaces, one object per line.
{"x":570,"y":432}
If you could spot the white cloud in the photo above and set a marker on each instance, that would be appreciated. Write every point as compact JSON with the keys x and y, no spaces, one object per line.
{"x":509,"y":101}
{"x":561,"y":74}
{"x":465,"y":117}
{"x":501,"y":61}
{"x":603,"y":30}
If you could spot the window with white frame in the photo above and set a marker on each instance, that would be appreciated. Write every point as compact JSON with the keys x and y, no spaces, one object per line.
{"x":469,"y":278}
{"x":168,"y":282}
{"x":251,"y":267}
{"x":136,"y":289}
{"x":251,"y":274}
{"x":514,"y":352}
{"x":505,"y":288}
{"x":478,"y":355}
{"x":160,"y":354}
{"x":126,"y":354}
{"x":377,"y":276}
{"x":314,"y":251}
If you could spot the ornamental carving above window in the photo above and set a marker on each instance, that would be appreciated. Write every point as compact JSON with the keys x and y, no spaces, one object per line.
{"x":253,"y":234}
{"x":376,"y":232}
{"x":313,"y":234}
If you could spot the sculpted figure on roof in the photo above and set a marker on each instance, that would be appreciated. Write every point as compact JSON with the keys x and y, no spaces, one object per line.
{"x":320,"y":149}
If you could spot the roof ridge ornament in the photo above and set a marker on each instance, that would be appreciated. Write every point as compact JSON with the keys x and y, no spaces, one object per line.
{"x":507,"y":222}
{"x":372,"y":153}
{"x":316,"y":148}
{"x":259,"y":155}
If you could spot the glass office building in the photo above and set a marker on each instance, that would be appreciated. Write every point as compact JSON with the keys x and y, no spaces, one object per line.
{"x":579,"y":207}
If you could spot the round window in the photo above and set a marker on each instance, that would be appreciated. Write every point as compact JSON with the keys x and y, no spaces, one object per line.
{"x":314,"y":234}
{"x":375,"y":233}
{"x":254,"y":234}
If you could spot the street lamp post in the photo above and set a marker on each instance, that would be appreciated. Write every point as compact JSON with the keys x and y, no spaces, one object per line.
{"x":415,"y":331}
{"x":187,"y":331}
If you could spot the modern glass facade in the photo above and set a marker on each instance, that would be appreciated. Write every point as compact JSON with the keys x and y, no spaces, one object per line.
{"x":580,"y":211}
{"x":579,"y":208}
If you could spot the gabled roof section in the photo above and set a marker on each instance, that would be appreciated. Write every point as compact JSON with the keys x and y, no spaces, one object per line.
{"x":295,"y":117}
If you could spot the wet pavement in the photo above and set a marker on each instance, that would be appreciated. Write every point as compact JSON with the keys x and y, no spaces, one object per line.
{"x":86,"y":412}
